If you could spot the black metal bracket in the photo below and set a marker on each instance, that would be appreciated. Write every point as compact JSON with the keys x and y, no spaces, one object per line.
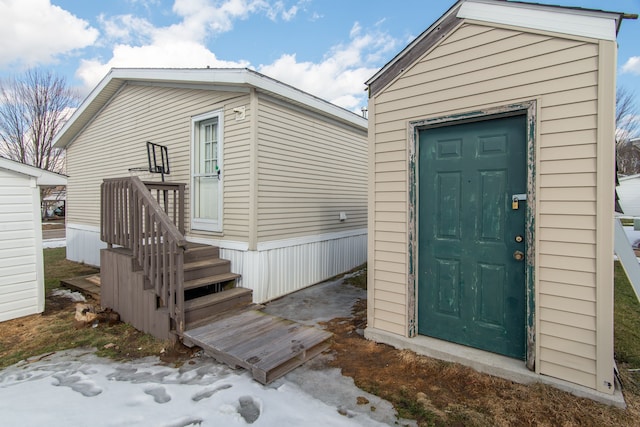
{"x":152,"y":156}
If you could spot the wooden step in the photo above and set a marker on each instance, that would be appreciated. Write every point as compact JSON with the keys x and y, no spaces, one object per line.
{"x":206,"y":267}
{"x":197,"y":251}
{"x":214,"y":304}
{"x":266,"y":345}
{"x":210,"y":280}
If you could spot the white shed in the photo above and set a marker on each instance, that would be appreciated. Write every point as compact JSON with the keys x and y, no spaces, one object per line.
{"x":21,"y":261}
{"x":629,"y":194}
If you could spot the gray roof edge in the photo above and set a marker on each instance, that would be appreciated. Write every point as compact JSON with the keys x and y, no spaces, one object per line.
{"x":232,"y":76}
{"x":521,"y":4}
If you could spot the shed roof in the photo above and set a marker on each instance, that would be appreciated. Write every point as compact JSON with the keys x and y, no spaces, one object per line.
{"x":206,"y":78}
{"x":44,"y":178}
{"x":576,"y":21}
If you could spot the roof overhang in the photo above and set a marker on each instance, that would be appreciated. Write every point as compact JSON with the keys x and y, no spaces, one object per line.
{"x":242,"y":78}
{"x":43,"y":177}
{"x":573,"y":21}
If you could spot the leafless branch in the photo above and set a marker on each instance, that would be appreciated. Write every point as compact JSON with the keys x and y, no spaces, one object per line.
{"x":33,"y":107}
{"x":627,"y":116}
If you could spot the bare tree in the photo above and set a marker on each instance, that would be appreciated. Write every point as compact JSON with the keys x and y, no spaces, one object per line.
{"x":627,"y":128}
{"x":627,"y":116}
{"x":33,"y":107}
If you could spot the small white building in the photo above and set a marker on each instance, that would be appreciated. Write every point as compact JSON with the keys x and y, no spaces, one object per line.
{"x":491,"y":191}
{"x":629,"y":194}
{"x":21,"y":261}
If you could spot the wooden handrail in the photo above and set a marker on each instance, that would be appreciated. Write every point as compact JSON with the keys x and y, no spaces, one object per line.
{"x":132,"y":218}
{"x":174,"y":205}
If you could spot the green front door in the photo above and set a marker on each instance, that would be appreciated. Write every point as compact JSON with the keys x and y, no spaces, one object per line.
{"x":471,"y":267}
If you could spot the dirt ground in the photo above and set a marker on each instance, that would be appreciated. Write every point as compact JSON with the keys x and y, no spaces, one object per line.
{"x":447,"y":394}
{"x":56,"y":329}
{"x":431,"y":391}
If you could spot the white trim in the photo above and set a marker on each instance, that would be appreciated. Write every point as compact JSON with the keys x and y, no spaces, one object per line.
{"x":566,"y":21}
{"x":628,"y":177}
{"x":198,"y":86}
{"x":83,"y":227}
{"x":605,"y":196}
{"x":37,"y":224}
{"x":43,"y":177}
{"x":304,"y":240}
{"x":558,"y":10}
{"x":226,"y":244}
{"x":197,"y":223}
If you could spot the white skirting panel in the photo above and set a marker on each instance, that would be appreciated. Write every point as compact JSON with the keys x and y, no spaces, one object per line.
{"x":84,"y":244}
{"x":272,"y":273}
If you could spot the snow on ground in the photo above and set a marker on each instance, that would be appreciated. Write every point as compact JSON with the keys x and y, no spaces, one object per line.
{"x":76,"y":387}
{"x":54,"y":243}
{"x":66,"y":293}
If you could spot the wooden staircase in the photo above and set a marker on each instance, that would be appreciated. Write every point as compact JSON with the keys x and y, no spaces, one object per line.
{"x":173,"y":289}
{"x":209,"y":286}
{"x":209,"y":290}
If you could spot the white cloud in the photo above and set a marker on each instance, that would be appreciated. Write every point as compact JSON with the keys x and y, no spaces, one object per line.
{"x":632,"y":65}
{"x":175,"y":54}
{"x":34,"y":32}
{"x":340,"y":76}
{"x":201,"y":15}
{"x":279,"y":9}
{"x":139,"y":44}
{"x":126,"y":29}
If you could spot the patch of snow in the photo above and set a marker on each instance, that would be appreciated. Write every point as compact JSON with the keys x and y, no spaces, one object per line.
{"x":66,"y":293}
{"x":72,"y":387}
{"x":54,"y":243}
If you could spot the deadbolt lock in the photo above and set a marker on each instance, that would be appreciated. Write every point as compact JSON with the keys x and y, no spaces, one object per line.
{"x":519,"y":239}
{"x":518,"y":255}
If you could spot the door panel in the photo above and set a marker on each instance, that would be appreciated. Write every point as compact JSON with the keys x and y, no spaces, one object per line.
{"x":207,"y":194}
{"x":471,"y":290}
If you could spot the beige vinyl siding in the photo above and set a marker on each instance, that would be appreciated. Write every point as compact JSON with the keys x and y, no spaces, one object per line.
{"x":115,"y":141}
{"x":309,"y":170}
{"x":477,"y":67}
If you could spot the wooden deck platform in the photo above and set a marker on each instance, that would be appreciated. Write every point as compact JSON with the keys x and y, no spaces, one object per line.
{"x":85,"y":284}
{"x":265,"y":345}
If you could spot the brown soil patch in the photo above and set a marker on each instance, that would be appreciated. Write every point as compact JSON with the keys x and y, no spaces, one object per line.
{"x":447,"y":394}
{"x":56,"y":329}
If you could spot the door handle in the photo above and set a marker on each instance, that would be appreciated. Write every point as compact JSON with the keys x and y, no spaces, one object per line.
{"x":518,"y":255}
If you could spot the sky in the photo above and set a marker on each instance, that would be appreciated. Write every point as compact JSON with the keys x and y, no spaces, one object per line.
{"x":328,"y":48}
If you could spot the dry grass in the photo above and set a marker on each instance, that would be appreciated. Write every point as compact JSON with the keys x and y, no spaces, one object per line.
{"x":56,"y":328}
{"x":438,"y":393}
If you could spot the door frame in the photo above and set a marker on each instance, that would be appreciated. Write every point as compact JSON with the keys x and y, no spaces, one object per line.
{"x":530,"y":109}
{"x":197,"y":223}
